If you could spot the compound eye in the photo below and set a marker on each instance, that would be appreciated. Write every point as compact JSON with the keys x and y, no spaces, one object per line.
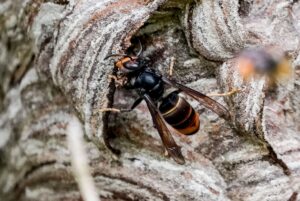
{"x":131,"y":65}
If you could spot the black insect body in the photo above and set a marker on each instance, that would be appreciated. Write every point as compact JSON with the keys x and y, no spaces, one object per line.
{"x":147,"y":81}
{"x":171,"y":109}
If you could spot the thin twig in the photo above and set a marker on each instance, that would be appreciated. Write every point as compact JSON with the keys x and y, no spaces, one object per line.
{"x":80,"y":162}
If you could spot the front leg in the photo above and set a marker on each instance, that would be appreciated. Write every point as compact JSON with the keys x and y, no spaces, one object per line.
{"x":119,"y":81}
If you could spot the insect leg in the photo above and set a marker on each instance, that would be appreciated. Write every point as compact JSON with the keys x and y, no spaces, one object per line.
{"x":171,"y":66}
{"x":229,"y":93}
{"x":134,"y":105}
{"x":117,"y":80}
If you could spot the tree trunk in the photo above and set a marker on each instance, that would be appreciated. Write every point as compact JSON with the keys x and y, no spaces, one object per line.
{"x":52,"y":68}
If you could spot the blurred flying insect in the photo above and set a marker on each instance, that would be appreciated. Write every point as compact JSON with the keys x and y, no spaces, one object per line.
{"x":258,"y":62}
{"x":135,"y":73}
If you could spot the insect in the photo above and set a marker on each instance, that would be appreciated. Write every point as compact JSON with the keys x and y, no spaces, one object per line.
{"x":257,"y":62}
{"x":136,"y":73}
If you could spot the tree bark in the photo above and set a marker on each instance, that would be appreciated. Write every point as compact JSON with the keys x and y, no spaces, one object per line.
{"x":52,"y":68}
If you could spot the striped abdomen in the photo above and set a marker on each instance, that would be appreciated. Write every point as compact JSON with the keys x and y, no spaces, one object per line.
{"x":179,"y":114}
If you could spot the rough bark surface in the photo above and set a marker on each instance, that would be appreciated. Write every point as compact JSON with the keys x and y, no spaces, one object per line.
{"x":52,"y":68}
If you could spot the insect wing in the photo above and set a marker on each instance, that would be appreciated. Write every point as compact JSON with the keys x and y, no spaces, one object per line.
{"x":166,"y":137}
{"x":203,"y":99}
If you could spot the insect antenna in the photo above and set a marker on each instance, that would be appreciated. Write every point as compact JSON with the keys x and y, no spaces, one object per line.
{"x":116,"y":55}
{"x":141,"y":48}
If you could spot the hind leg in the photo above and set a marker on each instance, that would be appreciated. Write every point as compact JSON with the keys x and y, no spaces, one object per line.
{"x":230,"y":93}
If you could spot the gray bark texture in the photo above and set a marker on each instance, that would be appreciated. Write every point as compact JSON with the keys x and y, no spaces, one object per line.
{"x":52,"y":68}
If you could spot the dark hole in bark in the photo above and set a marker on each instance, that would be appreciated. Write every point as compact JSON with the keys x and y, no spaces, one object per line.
{"x":245,"y":7}
{"x":62,"y":2}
